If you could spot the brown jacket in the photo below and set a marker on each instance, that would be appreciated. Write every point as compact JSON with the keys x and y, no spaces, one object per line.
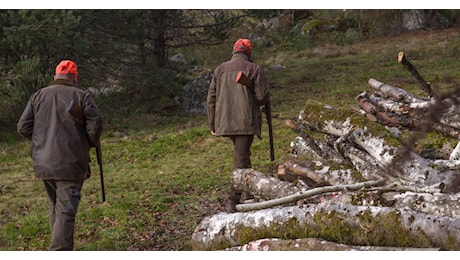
{"x":233,"y":109}
{"x":60,"y":145}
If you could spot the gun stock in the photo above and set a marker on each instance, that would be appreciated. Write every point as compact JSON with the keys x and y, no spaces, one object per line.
{"x":243,"y":79}
{"x":75,"y":110}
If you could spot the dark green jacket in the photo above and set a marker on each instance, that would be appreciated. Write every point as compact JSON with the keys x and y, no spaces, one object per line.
{"x":59,"y":144}
{"x":233,"y":109}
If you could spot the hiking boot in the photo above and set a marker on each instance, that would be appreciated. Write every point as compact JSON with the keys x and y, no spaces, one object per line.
{"x":233,"y":198}
{"x":230,"y":206}
{"x":246,"y":197}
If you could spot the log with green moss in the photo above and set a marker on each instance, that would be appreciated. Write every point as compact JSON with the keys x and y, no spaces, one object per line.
{"x":335,"y":222}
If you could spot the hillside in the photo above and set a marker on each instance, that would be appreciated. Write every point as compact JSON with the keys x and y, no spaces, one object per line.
{"x":164,"y":172}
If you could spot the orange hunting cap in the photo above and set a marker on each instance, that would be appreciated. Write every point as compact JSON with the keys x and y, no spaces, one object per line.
{"x":243,"y":45}
{"x":66,"y":67}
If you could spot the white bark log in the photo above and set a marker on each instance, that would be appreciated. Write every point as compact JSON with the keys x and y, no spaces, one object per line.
{"x":314,"y":150}
{"x":263,"y":186}
{"x":438,"y":204}
{"x":374,"y":146}
{"x":455,"y":155}
{"x":331,"y":127}
{"x":396,"y":93}
{"x":365,"y":164}
{"x":412,"y":168}
{"x":421,"y":230}
{"x":318,"y":176}
{"x":314,"y":244}
{"x":390,"y":105}
{"x":451,"y":121}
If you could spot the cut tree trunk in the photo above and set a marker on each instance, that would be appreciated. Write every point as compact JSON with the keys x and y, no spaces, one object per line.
{"x":314,"y":244}
{"x":263,"y":186}
{"x":438,"y":204}
{"x":296,"y":197}
{"x":397,"y":94}
{"x":394,"y":162}
{"x":340,"y":223}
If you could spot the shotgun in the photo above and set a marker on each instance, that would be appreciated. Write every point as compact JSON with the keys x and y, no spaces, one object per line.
{"x":243,"y":79}
{"x":75,"y":110}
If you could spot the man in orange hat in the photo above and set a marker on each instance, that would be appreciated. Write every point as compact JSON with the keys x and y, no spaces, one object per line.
{"x":234,"y":109}
{"x":60,"y":147}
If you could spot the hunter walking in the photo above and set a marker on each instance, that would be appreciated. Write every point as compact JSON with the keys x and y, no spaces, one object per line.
{"x":234,"y":109}
{"x":60,"y":146}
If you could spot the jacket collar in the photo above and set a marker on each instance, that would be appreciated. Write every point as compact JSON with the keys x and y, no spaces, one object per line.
{"x":63,"y":82}
{"x":240,"y":55}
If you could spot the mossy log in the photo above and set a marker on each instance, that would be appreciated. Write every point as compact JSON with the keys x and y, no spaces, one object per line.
{"x":441,"y":116}
{"x":260,"y":185}
{"x":403,"y":163}
{"x":335,"y":222}
{"x":318,"y":173}
{"x":394,"y":162}
{"x":314,"y":244}
{"x":393,"y":106}
{"x":426,"y":199}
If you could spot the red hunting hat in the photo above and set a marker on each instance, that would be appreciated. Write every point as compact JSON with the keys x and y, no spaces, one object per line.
{"x":243,"y":45}
{"x":67,"y":67}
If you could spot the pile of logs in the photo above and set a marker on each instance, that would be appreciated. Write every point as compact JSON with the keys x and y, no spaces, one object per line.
{"x":352,"y":190}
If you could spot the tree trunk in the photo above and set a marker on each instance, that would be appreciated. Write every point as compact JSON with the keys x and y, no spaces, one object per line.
{"x":263,"y":186}
{"x":339,"y":223}
{"x":314,"y":244}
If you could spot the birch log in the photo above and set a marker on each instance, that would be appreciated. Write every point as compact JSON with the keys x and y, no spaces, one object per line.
{"x":394,"y":92}
{"x":394,"y":161}
{"x":411,"y":167}
{"x":314,"y":244}
{"x":319,"y":176}
{"x":438,"y":204}
{"x":340,"y":223}
{"x":394,"y":106}
{"x":263,"y":186}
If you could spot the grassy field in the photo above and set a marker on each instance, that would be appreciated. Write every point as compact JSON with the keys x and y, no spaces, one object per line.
{"x":164,"y":173}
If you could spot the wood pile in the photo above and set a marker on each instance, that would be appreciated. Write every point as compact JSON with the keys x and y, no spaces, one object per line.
{"x":347,"y":186}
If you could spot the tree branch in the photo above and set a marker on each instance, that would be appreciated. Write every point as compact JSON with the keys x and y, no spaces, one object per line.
{"x":309,"y":193}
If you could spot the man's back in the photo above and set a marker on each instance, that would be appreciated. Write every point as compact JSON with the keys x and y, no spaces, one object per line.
{"x":234,"y":108}
{"x":60,"y":146}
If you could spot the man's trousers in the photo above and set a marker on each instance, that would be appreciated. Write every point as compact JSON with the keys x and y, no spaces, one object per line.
{"x":242,"y":151}
{"x":63,"y":198}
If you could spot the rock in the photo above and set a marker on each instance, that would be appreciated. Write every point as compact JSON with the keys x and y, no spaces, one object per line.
{"x":195,"y":94}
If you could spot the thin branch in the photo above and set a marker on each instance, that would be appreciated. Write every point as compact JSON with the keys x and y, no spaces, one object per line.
{"x":309,"y":193}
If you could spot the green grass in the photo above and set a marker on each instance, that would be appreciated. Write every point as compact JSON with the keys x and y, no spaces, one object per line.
{"x":163,"y":172}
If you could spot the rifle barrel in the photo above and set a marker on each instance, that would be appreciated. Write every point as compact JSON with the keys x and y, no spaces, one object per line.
{"x":268,"y":113}
{"x":75,"y":110}
{"x":99,"y":161}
